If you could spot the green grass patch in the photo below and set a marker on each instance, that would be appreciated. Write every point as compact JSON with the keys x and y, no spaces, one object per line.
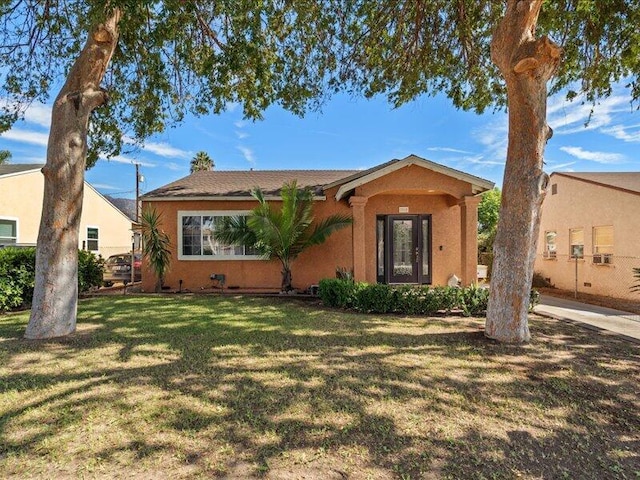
{"x":207,"y":386}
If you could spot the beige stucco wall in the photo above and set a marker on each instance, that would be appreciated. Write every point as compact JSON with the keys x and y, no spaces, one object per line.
{"x":21,"y":197}
{"x":578,"y":204}
{"x":421,"y":190}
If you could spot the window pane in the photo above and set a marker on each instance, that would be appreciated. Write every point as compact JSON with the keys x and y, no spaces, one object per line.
{"x":380,"y":238}
{"x":402,"y":247}
{"x":191,"y":236}
{"x":92,"y":239}
{"x":208,"y":243}
{"x":8,"y":231}
{"x":576,"y":236}
{"x":425,"y":247}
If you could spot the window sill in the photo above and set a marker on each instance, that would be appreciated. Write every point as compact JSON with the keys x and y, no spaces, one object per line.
{"x":212,"y":258}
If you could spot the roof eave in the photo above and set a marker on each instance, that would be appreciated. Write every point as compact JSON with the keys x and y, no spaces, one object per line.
{"x":215,"y":198}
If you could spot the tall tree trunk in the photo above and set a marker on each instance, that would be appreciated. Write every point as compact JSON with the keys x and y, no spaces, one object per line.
{"x":286,"y":278}
{"x":55,"y":297}
{"x":527,"y":64}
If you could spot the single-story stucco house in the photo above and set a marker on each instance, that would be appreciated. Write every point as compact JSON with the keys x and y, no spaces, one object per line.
{"x":414,"y":221}
{"x":590,"y":232}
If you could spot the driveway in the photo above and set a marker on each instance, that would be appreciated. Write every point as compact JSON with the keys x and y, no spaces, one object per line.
{"x":617,"y":321}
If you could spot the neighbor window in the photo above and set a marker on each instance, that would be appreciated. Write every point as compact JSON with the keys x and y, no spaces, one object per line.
{"x":576,"y":242}
{"x":197,"y":241}
{"x":550,"y":244}
{"x":8,"y":231}
{"x":602,"y":244}
{"x":92,"y":239}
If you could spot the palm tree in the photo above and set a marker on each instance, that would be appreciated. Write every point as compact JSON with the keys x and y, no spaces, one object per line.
{"x":5,"y":156}
{"x":281,"y":233}
{"x":202,"y":161}
{"x":636,"y":275}
{"x":155,"y":245}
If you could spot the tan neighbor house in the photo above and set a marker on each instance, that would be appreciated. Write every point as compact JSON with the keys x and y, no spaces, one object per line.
{"x":414,"y":221}
{"x":104,"y":229}
{"x":590,"y":232}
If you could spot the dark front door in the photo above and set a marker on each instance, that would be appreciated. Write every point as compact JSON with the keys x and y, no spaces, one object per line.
{"x":407,"y":249}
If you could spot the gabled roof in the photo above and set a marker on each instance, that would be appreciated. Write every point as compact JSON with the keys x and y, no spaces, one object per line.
{"x":623,"y":181}
{"x":237,"y":185}
{"x":479,"y":185}
{"x":19,"y":168}
{"x":125,"y":205}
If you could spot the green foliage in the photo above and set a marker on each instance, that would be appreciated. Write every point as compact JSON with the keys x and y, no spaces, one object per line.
{"x":202,"y":162}
{"x":5,"y":156}
{"x":281,"y":233}
{"x":155,"y":245}
{"x":636,"y":275}
{"x":90,"y":271}
{"x":17,"y":275}
{"x":405,"y":299}
{"x":173,"y":57}
{"x":406,"y":49}
{"x":489,"y":211}
{"x":534,"y":299}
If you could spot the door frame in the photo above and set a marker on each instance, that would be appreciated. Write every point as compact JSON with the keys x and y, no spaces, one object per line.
{"x":419,"y":242}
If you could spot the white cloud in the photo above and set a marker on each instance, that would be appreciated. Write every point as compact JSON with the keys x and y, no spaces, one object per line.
{"x":175,"y":166}
{"x":599,"y":157}
{"x":38,"y":113}
{"x":240,"y":123}
{"x":26,"y":136}
{"x":625,"y":133}
{"x":480,"y":160}
{"x":580,"y":115}
{"x":559,"y":166}
{"x":241,"y":134}
{"x":128,"y":160}
{"x":104,"y":186}
{"x":248,"y":154}
{"x":165,"y":150}
{"x":446,"y":149}
{"x":494,"y":137}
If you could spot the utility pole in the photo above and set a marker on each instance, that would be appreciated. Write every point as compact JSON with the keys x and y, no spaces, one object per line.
{"x":137,"y":192}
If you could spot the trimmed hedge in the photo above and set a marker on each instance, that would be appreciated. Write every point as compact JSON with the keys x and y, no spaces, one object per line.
{"x":17,"y":275}
{"x":406,"y":299}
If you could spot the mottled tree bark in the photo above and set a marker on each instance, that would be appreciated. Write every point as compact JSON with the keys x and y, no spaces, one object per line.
{"x":55,"y":297}
{"x":526,"y":63}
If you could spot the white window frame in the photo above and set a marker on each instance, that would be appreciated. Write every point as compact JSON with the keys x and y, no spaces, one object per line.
{"x":550,"y":254}
{"x":600,"y":258}
{"x":87,"y":238}
{"x":210,"y":213}
{"x":17,"y":220}
{"x":571,"y":255}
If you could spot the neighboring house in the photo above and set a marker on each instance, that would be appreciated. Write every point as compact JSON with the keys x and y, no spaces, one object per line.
{"x":103,"y":228}
{"x":414,"y":221}
{"x":590,"y":232}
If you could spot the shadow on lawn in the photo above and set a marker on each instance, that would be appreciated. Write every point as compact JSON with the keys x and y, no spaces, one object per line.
{"x":278,"y":385}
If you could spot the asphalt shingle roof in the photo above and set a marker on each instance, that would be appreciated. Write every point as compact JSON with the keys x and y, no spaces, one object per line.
{"x":219,"y":183}
{"x":12,"y":168}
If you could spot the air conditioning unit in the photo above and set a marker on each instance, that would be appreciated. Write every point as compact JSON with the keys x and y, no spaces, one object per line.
{"x":603,"y":258}
{"x":549,"y":254}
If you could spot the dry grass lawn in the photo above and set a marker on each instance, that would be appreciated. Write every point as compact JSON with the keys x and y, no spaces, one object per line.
{"x":233,"y":387}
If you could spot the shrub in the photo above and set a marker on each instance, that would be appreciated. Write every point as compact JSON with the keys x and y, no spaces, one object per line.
{"x":336,"y":293}
{"x":375,"y":298}
{"x":474,"y":300}
{"x":539,"y":281}
{"x":90,"y":271}
{"x":17,"y":276}
{"x":534,"y":299}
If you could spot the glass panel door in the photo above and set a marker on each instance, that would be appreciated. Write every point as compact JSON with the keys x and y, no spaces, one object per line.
{"x":404,"y":252}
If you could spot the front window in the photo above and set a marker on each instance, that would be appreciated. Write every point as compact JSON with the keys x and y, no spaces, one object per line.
{"x":197,"y":240}
{"x":92,"y":239}
{"x":576,"y":242}
{"x":602,"y":244}
{"x":550,"y":244}
{"x":8,"y":231}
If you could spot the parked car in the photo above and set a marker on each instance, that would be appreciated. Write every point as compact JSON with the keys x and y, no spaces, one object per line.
{"x":117,"y":268}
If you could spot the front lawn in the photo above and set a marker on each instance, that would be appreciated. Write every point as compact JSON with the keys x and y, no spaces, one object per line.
{"x":202,"y":386}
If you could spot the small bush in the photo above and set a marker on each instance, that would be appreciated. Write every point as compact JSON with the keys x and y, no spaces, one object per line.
{"x":17,"y":277}
{"x":474,"y":300}
{"x":539,"y":281}
{"x":336,"y":293}
{"x":375,"y":298}
{"x":90,"y":271}
{"x":534,"y":299}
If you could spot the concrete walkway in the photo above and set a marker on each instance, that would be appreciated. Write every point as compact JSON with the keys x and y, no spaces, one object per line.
{"x":622,"y":323}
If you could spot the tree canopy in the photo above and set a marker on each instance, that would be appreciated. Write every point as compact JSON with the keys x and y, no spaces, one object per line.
{"x":489,"y":211}
{"x":202,"y":162}
{"x":172,"y":57}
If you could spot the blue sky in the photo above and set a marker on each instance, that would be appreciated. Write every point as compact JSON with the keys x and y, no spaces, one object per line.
{"x":354,"y":133}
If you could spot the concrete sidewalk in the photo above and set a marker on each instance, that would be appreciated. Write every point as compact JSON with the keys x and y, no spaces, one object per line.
{"x":622,"y":323}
